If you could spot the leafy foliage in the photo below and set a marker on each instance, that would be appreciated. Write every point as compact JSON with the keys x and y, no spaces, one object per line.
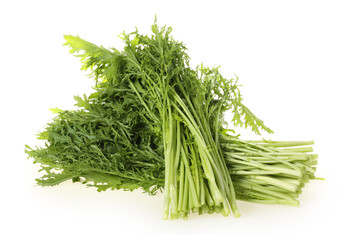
{"x":93,"y":144}
{"x":245,"y":118}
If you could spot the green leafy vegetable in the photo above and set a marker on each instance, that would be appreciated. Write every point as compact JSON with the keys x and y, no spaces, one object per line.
{"x":155,"y":123}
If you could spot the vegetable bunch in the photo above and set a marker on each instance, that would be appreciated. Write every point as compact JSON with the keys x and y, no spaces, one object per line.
{"x":154,"y":123}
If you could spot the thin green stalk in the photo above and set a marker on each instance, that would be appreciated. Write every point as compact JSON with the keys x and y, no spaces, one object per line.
{"x":181,"y":187}
{"x":185,"y":193}
{"x":276,"y":182}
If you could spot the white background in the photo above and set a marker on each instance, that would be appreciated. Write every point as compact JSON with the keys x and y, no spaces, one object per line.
{"x":298,"y":62}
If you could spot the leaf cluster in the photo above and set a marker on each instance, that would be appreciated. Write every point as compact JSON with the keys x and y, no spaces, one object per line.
{"x":107,"y":145}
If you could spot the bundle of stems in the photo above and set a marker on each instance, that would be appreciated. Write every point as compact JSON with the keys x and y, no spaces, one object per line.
{"x":158,"y":66}
{"x":269,"y":171}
